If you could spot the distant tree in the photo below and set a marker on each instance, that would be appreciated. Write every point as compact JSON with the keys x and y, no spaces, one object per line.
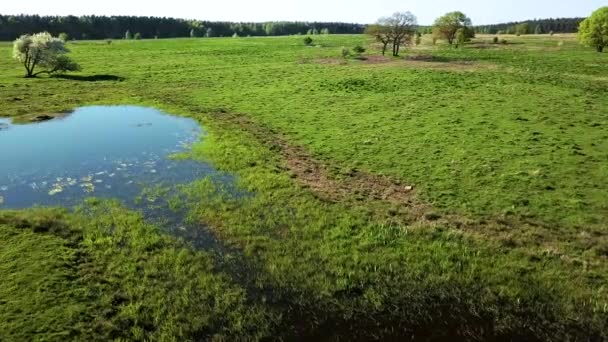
{"x":64,"y":37}
{"x":192,"y":33}
{"x":137,"y":36}
{"x":447,"y":26}
{"x":235,"y":35}
{"x":593,"y":31}
{"x":308,"y":41}
{"x":538,"y":29}
{"x":523,"y":28}
{"x":128,"y":35}
{"x":209,"y":32}
{"x":381,"y":33}
{"x":325,"y":31}
{"x":42,"y":50}
{"x":398,"y":29}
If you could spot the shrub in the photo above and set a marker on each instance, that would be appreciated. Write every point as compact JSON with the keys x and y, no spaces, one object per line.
{"x":504,"y":42}
{"x":495,"y":40}
{"x":128,"y":35}
{"x":235,"y":35}
{"x":137,"y":36}
{"x":359,"y":49}
{"x":345,"y":53}
{"x":308,"y":41}
{"x":64,"y":36}
{"x":418,"y":39}
{"x":108,"y":41}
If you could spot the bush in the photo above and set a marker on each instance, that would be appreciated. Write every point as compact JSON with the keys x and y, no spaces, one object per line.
{"x":137,"y":36}
{"x":504,"y":42}
{"x":418,"y":39}
{"x":64,"y":36}
{"x":64,"y":64}
{"x":307,"y":41}
{"x":495,"y":40}
{"x":359,"y":49}
{"x":345,"y":53}
{"x":108,"y":41}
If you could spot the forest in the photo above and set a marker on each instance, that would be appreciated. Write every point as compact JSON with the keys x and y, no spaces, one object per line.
{"x":103,"y":27}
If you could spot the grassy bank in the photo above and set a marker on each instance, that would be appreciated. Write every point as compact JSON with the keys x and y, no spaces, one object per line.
{"x":503,"y":236}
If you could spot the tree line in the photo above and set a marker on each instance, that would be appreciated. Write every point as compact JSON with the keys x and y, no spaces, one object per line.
{"x":537,"y":26}
{"x":115,"y":27}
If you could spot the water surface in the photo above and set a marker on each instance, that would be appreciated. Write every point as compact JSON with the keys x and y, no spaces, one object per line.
{"x":98,"y":151}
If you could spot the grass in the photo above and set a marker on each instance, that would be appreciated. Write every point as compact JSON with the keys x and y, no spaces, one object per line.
{"x":505,"y":144}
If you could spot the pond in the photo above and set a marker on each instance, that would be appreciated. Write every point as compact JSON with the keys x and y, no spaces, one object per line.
{"x":99,"y":151}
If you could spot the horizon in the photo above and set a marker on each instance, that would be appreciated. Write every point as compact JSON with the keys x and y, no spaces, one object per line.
{"x":274,"y":10}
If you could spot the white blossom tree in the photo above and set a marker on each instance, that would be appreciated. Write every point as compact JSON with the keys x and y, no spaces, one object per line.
{"x":42,"y":50}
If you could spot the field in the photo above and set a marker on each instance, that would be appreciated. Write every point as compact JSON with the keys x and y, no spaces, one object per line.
{"x":452,"y":194}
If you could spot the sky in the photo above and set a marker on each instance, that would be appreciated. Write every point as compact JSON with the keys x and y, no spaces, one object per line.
{"x":359,"y":11}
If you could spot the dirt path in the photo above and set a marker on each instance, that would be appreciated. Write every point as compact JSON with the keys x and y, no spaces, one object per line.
{"x":406,"y":207}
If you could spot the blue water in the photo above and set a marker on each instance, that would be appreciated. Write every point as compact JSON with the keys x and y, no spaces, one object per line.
{"x":98,"y":151}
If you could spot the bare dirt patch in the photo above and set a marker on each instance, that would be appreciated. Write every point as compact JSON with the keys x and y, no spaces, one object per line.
{"x":417,"y":62}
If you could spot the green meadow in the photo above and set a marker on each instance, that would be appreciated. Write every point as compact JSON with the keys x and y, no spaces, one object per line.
{"x":449,"y":194}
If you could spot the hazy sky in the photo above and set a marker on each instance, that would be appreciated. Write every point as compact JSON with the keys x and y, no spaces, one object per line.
{"x":361,"y":11}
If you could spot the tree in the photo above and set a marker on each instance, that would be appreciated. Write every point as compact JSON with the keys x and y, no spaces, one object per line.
{"x":325,"y":31}
{"x":192,"y":33}
{"x":593,"y":31}
{"x":209,"y":32}
{"x":538,"y":29}
{"x":522,"y":28}
{"x":381,"y":33}
{"x":398,"y":29}
{"x":64,"y":37}
{"x":403,"y":27}
{"x":461,"y":36}
{"x":446,"y":27}
{"x":42,"y":50}
{"x":137,"y":36}
{"x":128,"y":35}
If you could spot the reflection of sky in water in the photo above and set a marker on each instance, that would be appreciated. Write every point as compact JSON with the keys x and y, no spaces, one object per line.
{"x":112,"y":152}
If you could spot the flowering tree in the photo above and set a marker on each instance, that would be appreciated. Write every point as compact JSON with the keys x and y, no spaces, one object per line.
{"x":42,"y":50}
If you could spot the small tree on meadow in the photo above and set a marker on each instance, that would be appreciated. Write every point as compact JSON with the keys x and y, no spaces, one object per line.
{"x":381,"y":33}
{"x":42,"y":50}
{"x":593,"y":31}
{"x":522,"y":28}
{"x":128,"y":35}
{"x":64,"y":37}
{"x":209,"y":32}
{"x":137,"y":36}
{"x":538,"y":29}
{"x":446,"y":26}
{"x":398,"y":30}
{"x":461,"y":37}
